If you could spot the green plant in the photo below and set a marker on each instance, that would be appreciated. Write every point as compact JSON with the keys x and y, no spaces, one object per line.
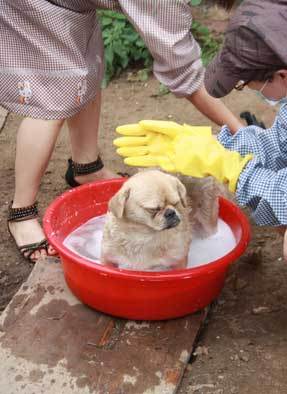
{"x":195,"y":2}
{"x":209,"y":44}
{"x":124,"y":47}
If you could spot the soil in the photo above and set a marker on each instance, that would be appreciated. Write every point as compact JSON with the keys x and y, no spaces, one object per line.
{"x":243,"y":348}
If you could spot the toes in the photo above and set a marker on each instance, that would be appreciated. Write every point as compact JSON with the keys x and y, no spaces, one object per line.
{"x":37,"y":254}
{"x":34,"y":257}
{"x":43,"y":253}
{"x":51,"y":251}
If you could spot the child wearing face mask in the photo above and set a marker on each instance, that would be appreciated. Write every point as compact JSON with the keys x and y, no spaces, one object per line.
{"x":253,"y":161}
{"x":272,"y":101}
{"x":253,"y":55}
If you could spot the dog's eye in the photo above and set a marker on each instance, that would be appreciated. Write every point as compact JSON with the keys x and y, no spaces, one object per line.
{"x":153,"y":211}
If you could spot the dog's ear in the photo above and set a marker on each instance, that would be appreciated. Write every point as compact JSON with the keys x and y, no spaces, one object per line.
{"x":182,"y":192}
{"x":118,"y":201}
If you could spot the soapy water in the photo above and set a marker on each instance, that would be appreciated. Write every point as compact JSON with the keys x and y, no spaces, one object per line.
{"x":86,"y":242}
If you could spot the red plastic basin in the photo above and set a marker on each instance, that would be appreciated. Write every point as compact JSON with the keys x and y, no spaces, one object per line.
{"x":134,"y":294}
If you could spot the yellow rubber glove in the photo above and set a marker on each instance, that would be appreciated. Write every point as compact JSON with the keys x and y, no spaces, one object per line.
{"x":191,"y":151}
{"x":149,"y":143}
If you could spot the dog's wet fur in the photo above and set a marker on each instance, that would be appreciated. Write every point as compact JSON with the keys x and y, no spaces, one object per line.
{"x":151,"y":220}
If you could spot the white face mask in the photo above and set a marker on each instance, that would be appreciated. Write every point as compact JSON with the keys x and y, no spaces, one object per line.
{"x":271,"y":101}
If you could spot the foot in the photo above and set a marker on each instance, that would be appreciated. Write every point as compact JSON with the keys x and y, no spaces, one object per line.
{"x":104,"y":173}
{"x":27,"y":232}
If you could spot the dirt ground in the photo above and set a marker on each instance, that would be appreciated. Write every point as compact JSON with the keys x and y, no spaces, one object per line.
{"x":243,"y":348}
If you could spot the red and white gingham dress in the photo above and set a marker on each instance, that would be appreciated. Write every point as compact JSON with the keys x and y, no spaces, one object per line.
{"x":51,"y":51}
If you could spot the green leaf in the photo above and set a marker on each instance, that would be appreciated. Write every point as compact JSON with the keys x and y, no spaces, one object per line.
{"x":124,"y":47}
{"x":163,"y":90}
{"x":109,"y":55}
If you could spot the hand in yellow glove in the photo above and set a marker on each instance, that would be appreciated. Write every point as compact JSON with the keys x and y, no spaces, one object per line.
{"x":150,"y":143}
{"x":189,"y":150}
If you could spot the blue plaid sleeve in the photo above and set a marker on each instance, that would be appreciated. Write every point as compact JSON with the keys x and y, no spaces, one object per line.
{"x":262,"y":185}
{"x":269,"y":145}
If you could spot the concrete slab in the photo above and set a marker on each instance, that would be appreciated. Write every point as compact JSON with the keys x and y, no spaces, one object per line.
{"x":51,"y":343}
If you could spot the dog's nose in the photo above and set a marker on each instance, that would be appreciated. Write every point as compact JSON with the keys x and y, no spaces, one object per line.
{"x":171,"y":218}
{"x":169,"y":214}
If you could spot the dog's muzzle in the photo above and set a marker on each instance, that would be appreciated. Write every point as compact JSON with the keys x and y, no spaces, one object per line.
{"x":171,"y":217}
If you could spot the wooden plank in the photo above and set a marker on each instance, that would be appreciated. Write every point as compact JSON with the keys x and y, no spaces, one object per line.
{"x":51,"y":343}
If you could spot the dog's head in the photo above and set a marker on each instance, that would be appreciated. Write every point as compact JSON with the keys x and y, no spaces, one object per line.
{"x":151,"y":198}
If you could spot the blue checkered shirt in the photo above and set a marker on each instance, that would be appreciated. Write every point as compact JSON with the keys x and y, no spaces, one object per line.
{"x":262,"y":185}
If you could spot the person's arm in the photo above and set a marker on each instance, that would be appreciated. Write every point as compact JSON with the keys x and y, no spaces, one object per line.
{"x":269,"y":145}
{"x":195,"y":152}
{"x":165,"y":27}
{"x":265,"y":192}
{"x":214,"y":109}
{"x":262,"y":185}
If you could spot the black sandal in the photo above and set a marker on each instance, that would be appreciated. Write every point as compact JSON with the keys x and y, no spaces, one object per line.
{"x":20,"y":215}
{"x":76,"y":169}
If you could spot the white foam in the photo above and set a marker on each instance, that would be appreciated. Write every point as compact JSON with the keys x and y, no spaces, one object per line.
{"x":203,"y":251}
{"x":86,"y":242}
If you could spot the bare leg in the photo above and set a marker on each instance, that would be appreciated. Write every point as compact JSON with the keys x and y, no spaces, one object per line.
{"x":35,"y":143}
{"x":83,"y":129}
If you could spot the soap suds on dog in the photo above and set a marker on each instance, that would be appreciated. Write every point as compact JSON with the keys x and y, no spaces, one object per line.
{"x":86,"y":242}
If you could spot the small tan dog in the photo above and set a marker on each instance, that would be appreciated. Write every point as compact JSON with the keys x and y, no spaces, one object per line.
{"x":149,"y":222}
